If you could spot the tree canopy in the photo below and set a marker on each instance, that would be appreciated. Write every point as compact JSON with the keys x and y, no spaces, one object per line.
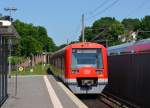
{"x":106,"y":28}
{"x":131,"y":24}
{"x":145,"y":28}
{"x":34,"y":39}
{"x":109,"y":29}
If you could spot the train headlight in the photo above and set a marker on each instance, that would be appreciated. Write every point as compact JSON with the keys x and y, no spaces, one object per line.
{"x":75,"y":71}
{"x":99,"y":71}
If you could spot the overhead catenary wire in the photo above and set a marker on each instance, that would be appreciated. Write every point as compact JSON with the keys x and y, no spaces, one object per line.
{"x":78,"y":27}
{"x":98,"y":13}
{"x":141,"y":5}
{"x":99,"y":7}
{"x":104,"y":10}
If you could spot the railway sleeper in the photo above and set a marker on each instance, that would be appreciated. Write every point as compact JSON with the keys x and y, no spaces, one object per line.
{"x":111,"y":102}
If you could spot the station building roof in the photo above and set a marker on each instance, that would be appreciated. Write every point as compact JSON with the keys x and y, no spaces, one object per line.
{"x":7,"y":29}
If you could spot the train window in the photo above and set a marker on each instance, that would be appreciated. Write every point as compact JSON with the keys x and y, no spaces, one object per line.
{"x":87,"y":57}
{"x":113,"y":53}
{"x":99,"y":58}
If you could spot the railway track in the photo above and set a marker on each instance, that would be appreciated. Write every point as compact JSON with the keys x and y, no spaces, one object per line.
{"x":92,"y":101}
{"x":101,"y":101}
{"x":111,"y":102}
{"x":118,"y":101}
{"x":104,"y":100}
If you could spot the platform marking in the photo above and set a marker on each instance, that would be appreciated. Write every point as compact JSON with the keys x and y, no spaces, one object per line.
{"x":72,"y":96}
{"x":55,"y":100}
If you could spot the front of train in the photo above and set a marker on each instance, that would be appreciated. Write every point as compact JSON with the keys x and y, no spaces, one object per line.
{"x":87,"y":68}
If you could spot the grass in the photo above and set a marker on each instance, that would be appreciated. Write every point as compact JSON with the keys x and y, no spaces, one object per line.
{"x":16,"y":59}
{"x":39,"y":69}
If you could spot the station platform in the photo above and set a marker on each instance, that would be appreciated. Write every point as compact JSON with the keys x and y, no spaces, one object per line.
{"x":40,"y":92}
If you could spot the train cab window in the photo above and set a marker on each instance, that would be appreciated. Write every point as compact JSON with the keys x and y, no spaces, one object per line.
{"x":87,"y":57}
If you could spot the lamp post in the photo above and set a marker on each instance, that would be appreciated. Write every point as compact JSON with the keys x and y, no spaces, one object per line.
{"x":10,"y":10}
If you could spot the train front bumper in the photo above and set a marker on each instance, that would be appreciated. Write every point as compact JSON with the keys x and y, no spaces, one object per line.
{"x":96,"y":89}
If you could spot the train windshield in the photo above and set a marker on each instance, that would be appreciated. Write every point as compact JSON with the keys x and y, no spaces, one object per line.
{"x":87,"y":57}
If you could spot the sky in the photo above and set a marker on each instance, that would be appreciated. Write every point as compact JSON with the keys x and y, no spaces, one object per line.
{"x":62,"y":18}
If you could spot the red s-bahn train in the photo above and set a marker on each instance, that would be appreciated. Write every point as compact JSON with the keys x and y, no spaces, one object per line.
{"x":82,"y":67}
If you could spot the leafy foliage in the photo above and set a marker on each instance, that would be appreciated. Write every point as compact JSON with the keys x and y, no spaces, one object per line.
{"x":88,"y":34}
{"x":131,"y":24}
{"x":145,"y":27}
{"x":34,"y":39}
{"x":109,"y":29}
{"x":38,"y":69}
{"x":16,"y":59}
{"x":106,"y":28}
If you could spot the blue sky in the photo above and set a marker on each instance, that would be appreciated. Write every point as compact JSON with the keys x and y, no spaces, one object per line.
{"x":62,"y":18}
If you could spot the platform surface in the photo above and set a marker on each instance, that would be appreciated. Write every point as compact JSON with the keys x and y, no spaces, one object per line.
{"x":40,"y":92}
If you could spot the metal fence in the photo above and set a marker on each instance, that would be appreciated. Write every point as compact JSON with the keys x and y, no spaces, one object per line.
{"x":129,"y":78}
{"x":29,"y":62}
{"x":3,"y":69}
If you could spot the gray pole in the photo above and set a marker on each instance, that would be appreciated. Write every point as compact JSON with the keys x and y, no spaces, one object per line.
{"x":10,"y":9}
{"x":16,"y":83}
{"x":9,"y":65}
{"x":67,"y":41}
{"x":106,"y":43}
{"x":83,"y":28}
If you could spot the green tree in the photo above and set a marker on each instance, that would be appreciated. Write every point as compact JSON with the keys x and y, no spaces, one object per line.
{"x":30,"y":46}
{"x":62,"y":46}
{"x":131,"y":24}
{"x":33,"y":39}
{"x":145,"y":27}
{"x":88,"y":34}
{"x":106,"y":28}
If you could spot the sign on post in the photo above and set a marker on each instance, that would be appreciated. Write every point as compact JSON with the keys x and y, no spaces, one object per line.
{"x":20,"y":69}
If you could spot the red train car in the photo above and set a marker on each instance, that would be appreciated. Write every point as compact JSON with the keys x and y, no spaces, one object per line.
{"x":82,"y":67}
{"x":142,"y":46}
{"x":137,"y":47}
